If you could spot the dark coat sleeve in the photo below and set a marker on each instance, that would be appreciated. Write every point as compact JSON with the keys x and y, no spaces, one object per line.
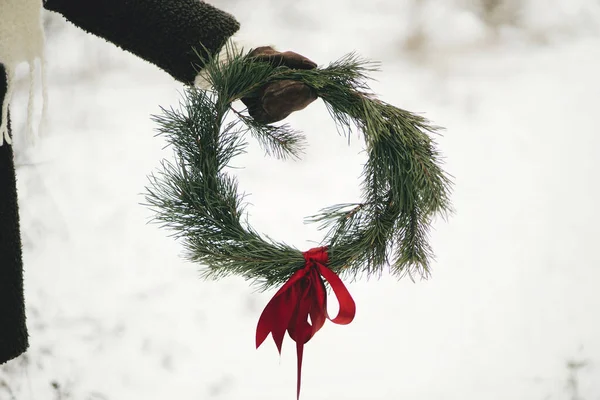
{"x":163,"y":32}
{"x":13,"y":332}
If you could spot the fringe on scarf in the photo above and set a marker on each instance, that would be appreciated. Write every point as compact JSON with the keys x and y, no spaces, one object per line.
{"x":22,"y":40}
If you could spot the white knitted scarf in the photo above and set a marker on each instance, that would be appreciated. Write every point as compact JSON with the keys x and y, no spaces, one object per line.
{"x":21,"y":40}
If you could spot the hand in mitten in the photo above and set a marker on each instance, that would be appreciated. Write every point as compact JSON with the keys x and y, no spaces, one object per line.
{"x":276,"y":100}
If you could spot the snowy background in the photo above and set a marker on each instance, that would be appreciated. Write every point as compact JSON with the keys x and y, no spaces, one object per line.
{"x":512,"y":308}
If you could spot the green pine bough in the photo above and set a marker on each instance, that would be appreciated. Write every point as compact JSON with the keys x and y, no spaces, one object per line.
{"x":403,"y":184}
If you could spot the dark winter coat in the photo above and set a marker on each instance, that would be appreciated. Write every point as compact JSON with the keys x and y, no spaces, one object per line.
{"x":161,"y":32}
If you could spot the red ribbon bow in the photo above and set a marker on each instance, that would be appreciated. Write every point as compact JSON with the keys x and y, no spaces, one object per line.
{"x":303,"y":295}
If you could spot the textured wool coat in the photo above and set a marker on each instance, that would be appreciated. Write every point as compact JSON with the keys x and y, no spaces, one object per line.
{"x":164,"y":33}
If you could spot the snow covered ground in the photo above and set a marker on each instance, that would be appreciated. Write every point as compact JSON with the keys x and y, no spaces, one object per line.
{"x":512,"y":308}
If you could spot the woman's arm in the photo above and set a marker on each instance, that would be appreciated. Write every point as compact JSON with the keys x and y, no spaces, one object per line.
{"x":166,"y":32}
{"x":161,"y":32}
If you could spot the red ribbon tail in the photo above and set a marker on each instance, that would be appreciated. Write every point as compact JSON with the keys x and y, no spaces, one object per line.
{"x":276,"y":315}
{"x":299,"y":352}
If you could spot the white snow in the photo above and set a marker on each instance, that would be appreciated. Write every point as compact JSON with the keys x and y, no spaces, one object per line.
{"x":115,"y":313}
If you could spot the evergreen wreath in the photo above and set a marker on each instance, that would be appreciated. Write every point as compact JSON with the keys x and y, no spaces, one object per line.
{"x":403,"y":188}
{"x":403,"y":185}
